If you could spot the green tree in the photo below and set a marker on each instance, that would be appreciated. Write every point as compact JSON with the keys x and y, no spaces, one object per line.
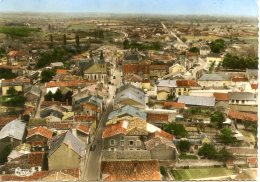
{"x":217,"y":46}
{"x":48,"y":96}
{"x":17,"y":100}
{"x":58,"y":95}
{"x":184,"y":145}
{"x":7,"y":73}
{"x":194,"y":49}
{"x":226,"y":136}
{"x":224,"y":155}
{"x":68,"y":97}
{"x":178,"y":130}
{"x":163,"y":170}
{"x":47,"y":75}
{"x":208,"y":151}
{"x":2,"y":52}
{"x":4,"y":153}
{"x":12,"y":92}
{"x":217,"y":118}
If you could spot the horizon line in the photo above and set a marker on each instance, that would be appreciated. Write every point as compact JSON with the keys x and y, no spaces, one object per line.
{"x":129,"y":13}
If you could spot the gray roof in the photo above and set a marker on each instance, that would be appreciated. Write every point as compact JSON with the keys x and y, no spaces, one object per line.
{"x":130,"y":92}
{"x":70,"y":140}
{"x":35,"y":90}
{"x":214,"y":77}
{"x":130,"y":110}
{"x":197,"y":100}
{"x":167,"y":83}
{"x":242,"y":96}
{"x":14,"y":129}
{"x":252,"y":72}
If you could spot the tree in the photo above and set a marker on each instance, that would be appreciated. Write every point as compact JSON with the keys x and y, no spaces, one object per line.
{"x":4,"y":153}
{"x":17,"y":100}
{"x":194,"y":49}
{"x":2,"y":52}
{"x":47,"y":75}
{"x":64,"y":39}
{"x":12,"y":92}
{"x":217,"y":46}
{"x":178,"y":130}
{"x":163,"y":170}
{"x":48,"y":96}
{"x":217,"y":118}
{"x":68,"y":97}
{"x":226,"y":136}
{"x":208,"y":151}
{"x":184,"y":145}
{"x":7,"y":73}
{"x":77,"y":40}
{"x":51,"y":41}
{"x":58,"y":95}
{"x":224,"y":155}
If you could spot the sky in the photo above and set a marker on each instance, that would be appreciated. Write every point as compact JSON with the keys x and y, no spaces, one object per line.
{"x":167,"y":7}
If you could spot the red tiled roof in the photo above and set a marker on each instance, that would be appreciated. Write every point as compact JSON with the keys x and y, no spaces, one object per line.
{"x":62,"y":71}
{"x":112,"y":130}
{"x":221,"y":96}
{"x":136,"y":68}
{"x":13,"y":53}
{"x":29,"y":110}
{"x":186,"y":83}
{"x":254,"y":86}
{"x":83,"y":128}
{"x":174,"y":105}
{"x":131,"y":170}
{"x":252,"y":160}
{"x":84,"y":118}
{"x":239,"y":79}
{"x":6,"y":119}
{"x":74,"y":83}
{"x":49,"y":103}
{"x":40,"y":131}
{"x":18,"y":80}
{"x":152,"y":117}
{"x":36,"y":158}
{"x":164,"y":134}
{"x":39,"y":175}
{"x":91,"y":107}
{"x":242,"y":116}
{"x":9,"y":67}
{"x":158,"y":67}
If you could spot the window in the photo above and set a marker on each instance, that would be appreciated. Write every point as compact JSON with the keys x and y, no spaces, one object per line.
{"x":138,"y":143}
{"x":111,"y":149}
{"x":131,"y":143}
{"x":237,"y":101}
{"x":122,"y":142}
{"x":243,"y":101}
{"x":112,"y":142}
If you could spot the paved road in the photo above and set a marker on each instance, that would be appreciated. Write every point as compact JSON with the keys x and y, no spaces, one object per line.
{"x":43,"y":89}
{"x":93,"y":160}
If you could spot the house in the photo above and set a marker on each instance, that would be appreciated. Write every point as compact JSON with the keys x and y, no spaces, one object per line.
{"x":83,"y":132}
{"x":158,"y":70}
{"x":19,"y":84}
{"x":38,"y":137}
{"x":130,"y":95}
{"x":56,"y":65}
{"x":204,"y":139}
{"x":33,"y":96}
{"x":165,"y":88}
{"x":197,"y":100}
{"x":176,"y":68}
{"x":127,"y":111}
{"x":183,"y":87}
{"x":92,"y":105}
{"x":161,"y":148}
{"x":214,"y":80}
{"x":54,"y":112}
{"x":96,"y":70}
{"x":130,"y":170}
{"x":178,"y":107}
{"x":252,"y":162}
{"x":204,"y":50}
{"x":66,"y":151}
{"x":215,"y":59}
{"x":243,"y":98}
{"x":242,"y":116}
{"x":252,"y":75}
{"x":12,"y":133}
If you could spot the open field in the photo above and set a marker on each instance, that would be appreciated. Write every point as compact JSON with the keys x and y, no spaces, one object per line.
{"x":199,"y":173}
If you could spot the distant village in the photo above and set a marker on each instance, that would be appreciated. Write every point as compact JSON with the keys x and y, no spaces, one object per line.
{"x":128,"y":100}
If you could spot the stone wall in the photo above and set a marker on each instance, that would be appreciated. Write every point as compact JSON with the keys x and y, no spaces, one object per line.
{"x":126,"y":154}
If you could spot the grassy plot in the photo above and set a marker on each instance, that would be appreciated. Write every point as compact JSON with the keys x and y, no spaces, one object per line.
{"x":199,"y":173}
{"x":17,"y":31}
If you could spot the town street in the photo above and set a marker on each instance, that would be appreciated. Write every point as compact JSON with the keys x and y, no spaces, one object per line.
{"x":93,"y":160}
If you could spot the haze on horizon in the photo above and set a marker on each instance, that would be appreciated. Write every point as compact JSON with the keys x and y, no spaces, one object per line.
{"x":164,"y":7}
